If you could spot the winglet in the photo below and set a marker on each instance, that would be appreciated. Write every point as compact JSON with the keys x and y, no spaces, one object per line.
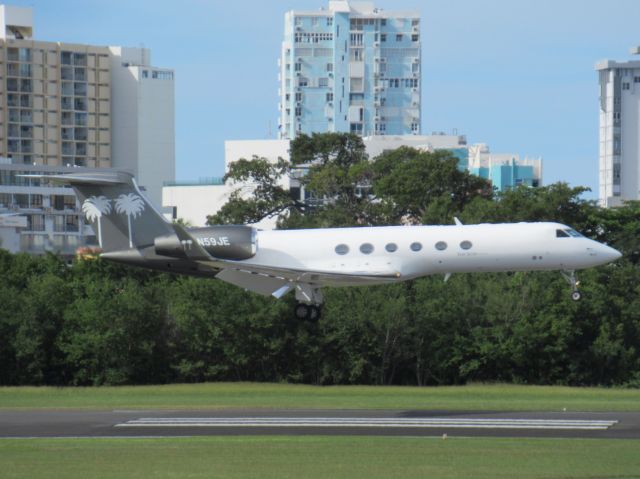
{"x":458,"y":222}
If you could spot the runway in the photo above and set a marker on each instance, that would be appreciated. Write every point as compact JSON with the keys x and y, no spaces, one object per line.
{"x":165,"y":423}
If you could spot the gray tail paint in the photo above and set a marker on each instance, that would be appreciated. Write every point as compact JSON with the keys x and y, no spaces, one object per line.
{"x":121,"y":215}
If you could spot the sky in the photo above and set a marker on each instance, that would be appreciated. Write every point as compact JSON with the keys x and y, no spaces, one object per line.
{"x":515,"y":74}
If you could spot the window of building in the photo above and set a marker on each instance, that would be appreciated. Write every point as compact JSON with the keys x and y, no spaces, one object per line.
{"x":314,"y":21}
{"x":399,"y":37}
{"x":466,"y":245}
{"x":636,"y":79}
{"x":303,"y":81}
{"x":298,"y":111}
{"x":21,"y":200}
{"x":329,"y":97}
{"x":36,"y":201}
{"x":298,"y":96}
{"x":329,"y":21}
{"x":383,"y":22}
{"x":391,"y":247}
{"x":160,"y":75}
{"x":145,"y":73}
{"x":415,"y":22}
{"x":383,"y":37}
{"x":415,"y":246}
{"x":366,"y":248}
{"x":415,"y":127}
{"x":72,"y":223}
{"x":35,"y":222}
{"x":329,"y":67}
{"x":356,"y":128}
{"x":415,"y":37}
{"x":323,"y":82}
{"x":342,"y":249}
{"x":626,"y":86}
{"x":65,"y":58}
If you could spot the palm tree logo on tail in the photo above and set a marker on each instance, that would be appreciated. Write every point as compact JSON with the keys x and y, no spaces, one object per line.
{"x":132,"y":206}
{"x":93,"y":208}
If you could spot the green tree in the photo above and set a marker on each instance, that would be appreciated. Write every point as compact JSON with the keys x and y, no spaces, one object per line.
{"x":423,"y":187}
{"x":259,"y":195}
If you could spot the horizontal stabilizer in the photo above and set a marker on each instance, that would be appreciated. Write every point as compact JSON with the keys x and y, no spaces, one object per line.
{"x":97,"y":178}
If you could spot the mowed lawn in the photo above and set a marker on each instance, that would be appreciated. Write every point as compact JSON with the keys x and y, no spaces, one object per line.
{"x":311,"y":457}
{"x":253,"y":395}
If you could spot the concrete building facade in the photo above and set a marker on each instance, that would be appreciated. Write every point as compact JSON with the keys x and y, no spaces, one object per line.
{"x":619,"y":178}
{"x":65,"y":106}
{"x":504,"y":170}
{"x":350,"y":68}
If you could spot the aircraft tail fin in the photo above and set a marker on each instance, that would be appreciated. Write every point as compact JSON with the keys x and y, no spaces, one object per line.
{"x":121,"y":215}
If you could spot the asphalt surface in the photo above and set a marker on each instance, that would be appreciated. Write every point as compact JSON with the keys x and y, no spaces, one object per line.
{"x":180,"y":423}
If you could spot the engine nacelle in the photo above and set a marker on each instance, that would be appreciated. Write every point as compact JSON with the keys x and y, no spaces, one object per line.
{"x":224,"y":242}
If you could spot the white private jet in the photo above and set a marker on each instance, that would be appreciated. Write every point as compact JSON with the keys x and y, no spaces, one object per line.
{"x":130,"y":230}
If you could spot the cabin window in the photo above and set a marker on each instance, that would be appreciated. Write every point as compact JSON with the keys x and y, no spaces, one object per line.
{"x":342,"y":249}
{"x":416,"y":246}
{"x":466,"y":245}
{"x":562,"y":234}
{"x":441,"y":246}
{"x":391,"y":247}
{"x":573,"y":233}
{"x":366,"y":248}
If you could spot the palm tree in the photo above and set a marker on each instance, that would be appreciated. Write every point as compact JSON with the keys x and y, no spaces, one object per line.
{"x":130,"y":205}
{"x":93,"y":208}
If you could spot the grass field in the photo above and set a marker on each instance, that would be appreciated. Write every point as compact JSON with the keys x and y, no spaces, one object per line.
{"x":253,"y":395}
{"x":311,"y":457}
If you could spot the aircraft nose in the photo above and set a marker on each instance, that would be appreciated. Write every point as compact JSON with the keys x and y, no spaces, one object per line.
{"x":608,"y":253}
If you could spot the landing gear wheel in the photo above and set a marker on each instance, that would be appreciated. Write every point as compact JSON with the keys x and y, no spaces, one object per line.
{"x":302,"y":311}
{"x":570,"y":276}
{"x":307,"y":312}
{"x":314,"y":313}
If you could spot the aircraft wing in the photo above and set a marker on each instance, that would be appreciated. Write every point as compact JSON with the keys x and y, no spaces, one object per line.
{"x":277,"y":281}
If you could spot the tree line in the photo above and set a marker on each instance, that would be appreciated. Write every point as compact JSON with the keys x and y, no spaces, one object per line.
{"x":94,"y":323}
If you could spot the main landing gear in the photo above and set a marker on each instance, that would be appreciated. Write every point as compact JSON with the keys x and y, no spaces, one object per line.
{"x":309,"y":299}
{"x":307,"y":312}
{"x":570,"y":276}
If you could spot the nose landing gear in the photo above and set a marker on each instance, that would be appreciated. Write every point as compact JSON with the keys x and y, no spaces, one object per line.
{"x":570,"y":276}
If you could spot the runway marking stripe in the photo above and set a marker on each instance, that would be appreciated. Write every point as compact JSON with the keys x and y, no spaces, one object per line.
{"x":372,"y":422}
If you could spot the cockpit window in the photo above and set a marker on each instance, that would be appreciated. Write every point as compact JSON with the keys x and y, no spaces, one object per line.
{"x":568,"y":233}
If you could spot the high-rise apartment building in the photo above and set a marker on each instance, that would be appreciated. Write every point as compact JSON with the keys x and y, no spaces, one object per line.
{"x":619,"y":131}
{"x":350,"y":68}
{"x":65,"y":106}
